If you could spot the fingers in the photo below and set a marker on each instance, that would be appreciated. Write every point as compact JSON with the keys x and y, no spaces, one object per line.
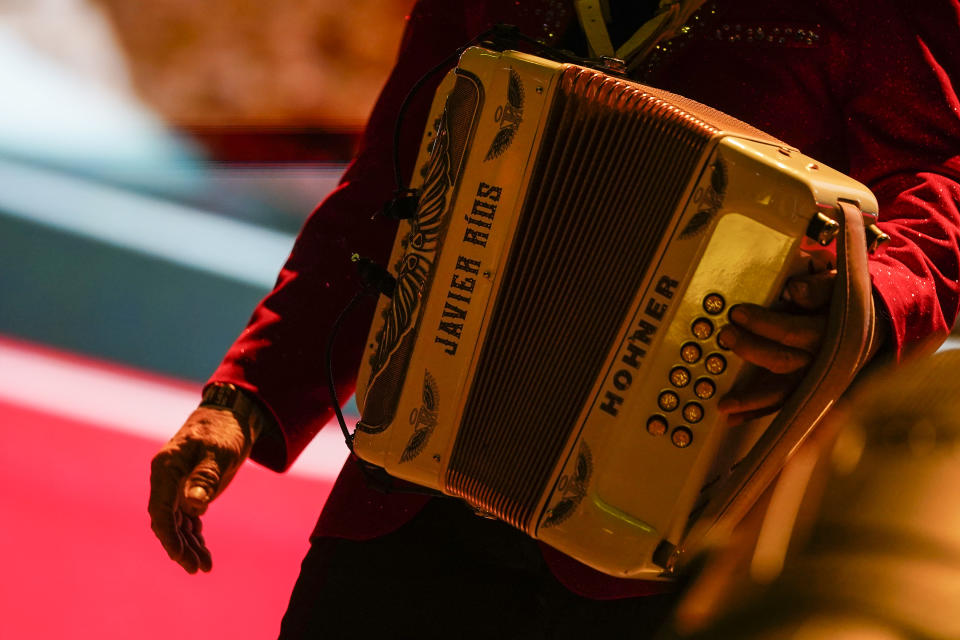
{"x":191,"y":528}
{"x":173,"y":518}
{"x":804,"y":332}
{"x":772,"y":356}
{"x":167,"y":471}
{"x":202,"y":485}
{"x":758,"y":396}
{"x":813,"y":291}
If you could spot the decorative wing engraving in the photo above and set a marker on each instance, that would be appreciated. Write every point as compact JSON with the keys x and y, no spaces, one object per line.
{"x":710,"y":203}
{"x":421,"y":242}
{"x":509,"y":115}
{"x":515,"y":93}
{"x":396,"y":336}
{"x":424,"y":419}
{"x":572,"y":489}
{"x":500,"y":142}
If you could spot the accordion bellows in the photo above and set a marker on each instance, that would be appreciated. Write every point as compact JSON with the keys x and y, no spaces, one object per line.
{"x":549,"y":354}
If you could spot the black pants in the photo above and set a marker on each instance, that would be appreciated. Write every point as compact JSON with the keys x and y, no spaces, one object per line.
{"x":450,"y":574}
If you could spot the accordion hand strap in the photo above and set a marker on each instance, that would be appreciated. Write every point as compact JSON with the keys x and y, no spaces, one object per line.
{"x":845,"y":350}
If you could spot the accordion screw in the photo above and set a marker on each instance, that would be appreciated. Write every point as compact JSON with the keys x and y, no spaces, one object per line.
{"x":436,"y":457}
{"x":875,"y":237}
{"x":823,"y":229}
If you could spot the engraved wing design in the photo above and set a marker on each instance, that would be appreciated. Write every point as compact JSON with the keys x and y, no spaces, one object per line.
{"x":712,"y":201}
{"x":421,"y":244}
{"x":509,"y":115}
{"x":424,"y":420}
{"x":515,"y":91}
{"x":501,"y":142}
{"x":574,"y":489}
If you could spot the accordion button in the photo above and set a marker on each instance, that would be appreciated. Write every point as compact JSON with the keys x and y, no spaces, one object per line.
{"x":704,"y":388}
{"x":679,"y":377}
{"x":681,"y":437}
{"x":690,"y":352}
{"x":657,"y":425}
{"x":715,"y":363}
{"x":668,"y":401}
{"x":702,"y":328}
{"x":692,"y":412}
{"x":714,"y":303}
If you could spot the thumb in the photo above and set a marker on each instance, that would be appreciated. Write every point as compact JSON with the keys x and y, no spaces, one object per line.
{"x":202,"y":485}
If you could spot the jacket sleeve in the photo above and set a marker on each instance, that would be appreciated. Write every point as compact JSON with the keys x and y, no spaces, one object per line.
{"x":903,"y":122}
{"x":279,"y":357}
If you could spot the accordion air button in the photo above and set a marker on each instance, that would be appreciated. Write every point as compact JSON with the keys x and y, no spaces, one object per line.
{"x":715,"y":363}
{"x":702,"y":328}
{"x":704,"y":388}
{"x":690,"y":352}
{"x":682,"y":437}
{"x":679,"y":376}
{"x":692,"y":412}
{"x":656,"y":425}
{"x":714,"y":303}
{"x":668,"y":400}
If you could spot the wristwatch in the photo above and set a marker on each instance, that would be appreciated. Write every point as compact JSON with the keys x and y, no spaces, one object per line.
{"x":222,"y":395}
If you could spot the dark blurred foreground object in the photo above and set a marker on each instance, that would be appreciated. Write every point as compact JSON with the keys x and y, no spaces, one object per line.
{"x":861,"y":538}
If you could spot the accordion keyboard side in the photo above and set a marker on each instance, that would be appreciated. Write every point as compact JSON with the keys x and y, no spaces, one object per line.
{"x":612,"y":170}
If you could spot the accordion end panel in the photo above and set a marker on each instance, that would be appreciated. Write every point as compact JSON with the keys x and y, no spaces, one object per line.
{"x":447,"y":260}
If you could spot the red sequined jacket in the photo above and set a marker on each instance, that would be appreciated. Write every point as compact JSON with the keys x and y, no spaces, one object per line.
{"x":866,"y":87}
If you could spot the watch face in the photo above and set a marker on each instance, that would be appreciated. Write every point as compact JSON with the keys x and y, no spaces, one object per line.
{"x":222,"y":395}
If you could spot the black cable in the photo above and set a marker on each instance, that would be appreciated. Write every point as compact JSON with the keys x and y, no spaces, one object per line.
{"x":331,"y":387}
{"x":376,"y":477}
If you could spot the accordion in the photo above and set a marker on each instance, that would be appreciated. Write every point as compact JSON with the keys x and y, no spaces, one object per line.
{"x":549,"y":352}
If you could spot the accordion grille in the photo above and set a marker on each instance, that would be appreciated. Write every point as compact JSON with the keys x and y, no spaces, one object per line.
{"x":612,"y":167}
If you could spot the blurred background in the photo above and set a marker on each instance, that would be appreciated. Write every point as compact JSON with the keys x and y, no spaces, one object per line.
{"x":156,"y":161}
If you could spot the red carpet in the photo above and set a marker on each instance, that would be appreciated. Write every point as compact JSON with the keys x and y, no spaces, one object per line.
{"x":80,"y":560}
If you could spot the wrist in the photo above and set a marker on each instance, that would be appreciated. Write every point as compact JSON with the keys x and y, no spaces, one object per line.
{"x":248,"y":412}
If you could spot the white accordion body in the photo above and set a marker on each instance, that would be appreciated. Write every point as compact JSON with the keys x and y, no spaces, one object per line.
{"x":549,"y":354}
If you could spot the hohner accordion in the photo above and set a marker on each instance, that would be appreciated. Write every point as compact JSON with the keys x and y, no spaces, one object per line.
{"x":549,"y":352}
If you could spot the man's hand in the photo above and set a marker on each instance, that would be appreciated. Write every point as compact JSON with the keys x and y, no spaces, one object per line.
{"x":782,"y":342}
{"x":189,"y":471}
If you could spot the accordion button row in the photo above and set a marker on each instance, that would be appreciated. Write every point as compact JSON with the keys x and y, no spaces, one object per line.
{"x":681,"y":436}
{"x":680,"y":377}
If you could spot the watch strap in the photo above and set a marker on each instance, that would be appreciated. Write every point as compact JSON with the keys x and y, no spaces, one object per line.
{"x":222,"y":395}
